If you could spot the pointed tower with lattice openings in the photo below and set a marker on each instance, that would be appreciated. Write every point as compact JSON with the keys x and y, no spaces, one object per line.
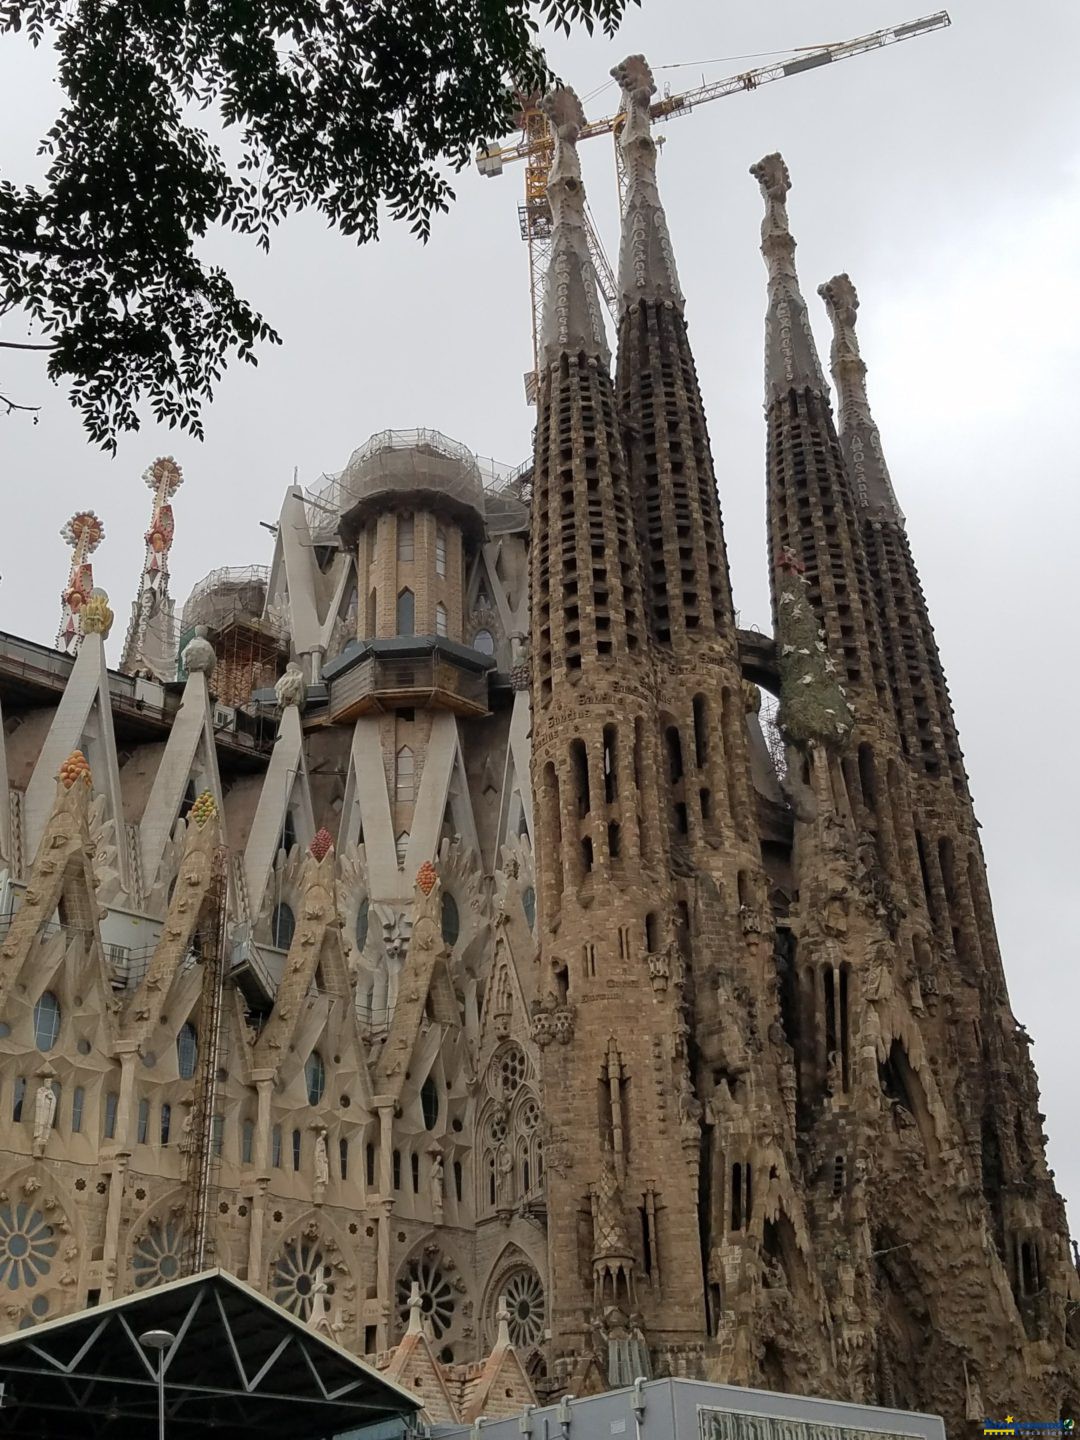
{"x":723,"y":922}
{"x":994,"y":1088}
{"x":622,"y":1195}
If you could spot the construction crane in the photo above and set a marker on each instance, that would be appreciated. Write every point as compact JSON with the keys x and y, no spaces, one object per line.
{"x":535,"y":146}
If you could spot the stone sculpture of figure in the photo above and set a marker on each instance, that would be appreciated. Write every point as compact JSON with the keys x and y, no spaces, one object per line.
{"x":187,"y":1136}
{"x":44,"y":1114}
{"x":506,"y":1169}
{"x":322,"y":1161}
{"x":437,"y":1181}
{"x":290,"y":688}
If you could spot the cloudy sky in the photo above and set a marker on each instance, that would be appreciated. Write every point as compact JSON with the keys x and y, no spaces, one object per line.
{"x":943,"y":174}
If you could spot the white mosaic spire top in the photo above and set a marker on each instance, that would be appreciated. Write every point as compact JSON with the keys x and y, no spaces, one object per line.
{"x":646,"y":259}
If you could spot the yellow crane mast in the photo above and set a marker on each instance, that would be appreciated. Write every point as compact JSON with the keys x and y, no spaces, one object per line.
{"x":534,"y":146}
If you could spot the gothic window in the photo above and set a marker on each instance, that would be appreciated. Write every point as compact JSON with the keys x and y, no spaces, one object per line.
{"x":17,"y":1099}
{"x":247,"y":1142}
{"x":296,"y":1149}
{"x":440,"y":551}
{"x":157,"y":1256}
{"x":406,"y":613}
{"x":217,"y":1134}
{"x":701,"y":730}
{"x":528,"y":904}
{"x":429,"y":1103}
{"x":459,"y":1182}
{"x":414,"y":1165}
{"x":288,"y":833}
{"x":315,"y":1077}
{"x":611,"y":773}
{"x":524,"y":1296}
{"x":301,"y":1278}
{"x":27,"y":1247}
{"x":741,"y":1197}
{"x":112,"y":1101}
{"x":369,"y":1165}
{"x":362,"y":916}
{"x":275,"y":1147}
{"x":484,"y":641}
{"x":441,"y":623}
{"x":512,"y":1066}
{"x":187,"y":1050}
{"x":451,"y":919}
{"x":406,"y":539}
{"x":404,"y":776}
{"x":165,"y":1123}
{"x":78,"y":1100}
{"x":396,"y":1164}
{"x":47,"y":1021}
{"x":401,"y":846}
{"x":144,"y":1122}
{"x":343,"y":1159}
{"x":490,"y":1182}
{"x":437,"y":1300}
{"x":282,"y":926}
{"x":652,"y":932}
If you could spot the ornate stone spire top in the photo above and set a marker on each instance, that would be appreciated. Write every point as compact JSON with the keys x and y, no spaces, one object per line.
{"x":646,"y":259}
{"x":791,"y":358}
{"x":859,"y":435}
{"x":573,"y":323}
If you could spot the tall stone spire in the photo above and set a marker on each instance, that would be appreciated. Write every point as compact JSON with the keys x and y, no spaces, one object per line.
{"x":150,"y":644}
{"x":646,"y":259}
{"x":812,"y":513}
{"x":572,"y":321}
{"x":859,"y":437}
{"x":605,"y":893}
{"x":791,"y":358}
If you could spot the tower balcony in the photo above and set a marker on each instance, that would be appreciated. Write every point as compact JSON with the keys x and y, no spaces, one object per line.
{"x":427,"y":671}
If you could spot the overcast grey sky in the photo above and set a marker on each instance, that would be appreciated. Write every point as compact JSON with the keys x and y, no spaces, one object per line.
{"x":943,"y":174}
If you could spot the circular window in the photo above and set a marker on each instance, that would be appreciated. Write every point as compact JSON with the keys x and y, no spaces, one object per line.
{"x":524,"y":1296}
{"x":315,"y":1076}
{"x":497,"y":1128}
{"x":27,"y":1247}
{"x":451,"y":919}
{"x":299,"y":1278}
{"x":187,"y":1050}
{"x":362,"y":923}
{"x":83,"y":1047}
{"x":528,"y":904}
{"x":512,"y":1069}
{"x":530,"y":1114}
{"x":157,"y":1256}
{"x":484,"y":641}
{"x":282,"y":926}
{"x":437,"y":1301}
{"x":47,"y":1021}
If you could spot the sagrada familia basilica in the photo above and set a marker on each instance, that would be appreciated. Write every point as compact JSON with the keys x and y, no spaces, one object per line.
{"x":435,"y":930}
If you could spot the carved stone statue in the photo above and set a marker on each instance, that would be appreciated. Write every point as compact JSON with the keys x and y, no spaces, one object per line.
{"x":44,"y":1114}
{"x":322,"y":1161}
{"x":290,"y":688}
{"x":437,"y":1181}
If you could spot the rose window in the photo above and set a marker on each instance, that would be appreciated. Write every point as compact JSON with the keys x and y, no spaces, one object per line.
{"x":158,"y":1255}
{"x":512,"y":1070}
{"x":530,"y":1115}
{"x":27,"y":1246}
{"x":300,"y":1279}
{"x":497,"y":1128}
{"x":437,"y":1300}
{"x":524,"y":1297}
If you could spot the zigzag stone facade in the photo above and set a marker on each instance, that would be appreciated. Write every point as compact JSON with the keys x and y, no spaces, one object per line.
{"x":547,"y":978}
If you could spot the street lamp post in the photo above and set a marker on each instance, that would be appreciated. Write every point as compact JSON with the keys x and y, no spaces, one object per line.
{"x":159,"y":1340}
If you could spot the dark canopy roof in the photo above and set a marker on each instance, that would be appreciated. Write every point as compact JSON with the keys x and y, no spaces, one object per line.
{"x":239,"y":1366}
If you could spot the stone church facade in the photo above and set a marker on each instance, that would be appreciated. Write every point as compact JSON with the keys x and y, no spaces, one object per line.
{"x":488,"y":979}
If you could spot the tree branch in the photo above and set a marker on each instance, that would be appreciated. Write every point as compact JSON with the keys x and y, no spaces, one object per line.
{"x":14,"y":405}
{"x":15,"y":345}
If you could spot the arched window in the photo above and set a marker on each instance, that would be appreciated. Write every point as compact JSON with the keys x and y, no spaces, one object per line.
{"x":217,"y":1134}
{"x":275,"y":1147}
{"x":343,"y":1158}
{"x":484,"y":641}
{"x":282,"y":926}
{"x":459,"y":1181}
{"x":401,"y":845}
{"x":440,"y":551}
{"x":528,"y":904}
{"x":165,"y":1123}
{"x":451,"y":919}
{"x":414,"y":1165}
{"x":406,"y":613}
{"x":112,"y":1102}
{"x":369,"y":1165}
{"x":372,"y":612}
{"x":429,"y":1103}
{"x":17,"y":1098}
{"x":406,"y":539}
{"x":78,"y":1099}
{"x":440,"y":619}
{"x":187,"y":1050}
{"x":404,"y":776}
{"x":396,"y":1158}
{"x":247,"y":1141}
{"x":362,"y":923}
{"x":144,"y":1122}
{"x":47,"y":1021}
{"x":315,"y":1077}
{"x":296,"y":1149}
